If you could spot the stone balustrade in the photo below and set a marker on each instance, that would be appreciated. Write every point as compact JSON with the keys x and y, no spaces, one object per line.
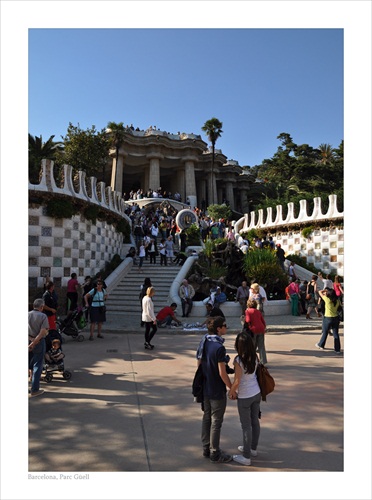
{"x":101,"y":195}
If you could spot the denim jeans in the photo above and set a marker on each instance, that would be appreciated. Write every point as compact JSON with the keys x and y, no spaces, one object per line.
{"x":214,"y":410}
{"x":36,"y":362}
{"x":249,"y":409}
{"x":333,"y":324}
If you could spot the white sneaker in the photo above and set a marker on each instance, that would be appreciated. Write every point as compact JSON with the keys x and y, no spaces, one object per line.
{"x":242,"y":460}
{"x":253,"y":452}
{"x":318,"y":346}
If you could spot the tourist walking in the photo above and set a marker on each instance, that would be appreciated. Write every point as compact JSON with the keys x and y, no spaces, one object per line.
{"x":152,"y":251}
{"x":256,"y":323}
{"x":311,"y":297}
{"x":141,"y":255}
{"x":169,"y":246}
{"x":146,"y":284}
{"x":246,"y":390}
{"x":148,"y":317}
{"x":331,"y":319}
{"x":38,"y":328}
{"x":280,"y":255}
{"x":211,"y":353}
{"x":97,"y":308}
{"x":162,"y":252}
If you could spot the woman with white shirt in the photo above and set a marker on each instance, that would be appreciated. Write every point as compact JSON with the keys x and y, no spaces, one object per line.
{"x":148,"y":317}
{"x":246,"y":390}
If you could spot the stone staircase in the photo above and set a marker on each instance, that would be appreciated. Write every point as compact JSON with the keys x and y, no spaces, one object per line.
{"x":124,"y":298}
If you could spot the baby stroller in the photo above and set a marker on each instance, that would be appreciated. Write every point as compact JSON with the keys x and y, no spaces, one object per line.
{"x":54,"y":360}
{"x":73,"y":324}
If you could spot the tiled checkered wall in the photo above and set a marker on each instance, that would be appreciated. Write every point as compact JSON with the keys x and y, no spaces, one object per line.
{"x":59,"y":247}
{"x":324,"y":248}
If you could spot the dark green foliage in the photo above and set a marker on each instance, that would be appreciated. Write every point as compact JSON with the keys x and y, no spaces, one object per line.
{"x":39,"y":150}
{"x":298,"y":172}
{"x":123,"y":227}
{"x":85,"y":150}
{"x":60,"y":208}
{"x":193,"y":235}
{"x":217,"y":212}
{"x":110,"y":266}
{"x":305,"y":233}
{"x":91,"y":212}
{"x":263,"y":265}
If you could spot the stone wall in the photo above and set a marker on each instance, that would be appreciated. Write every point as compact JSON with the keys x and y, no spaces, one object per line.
{"x":59,"y":247}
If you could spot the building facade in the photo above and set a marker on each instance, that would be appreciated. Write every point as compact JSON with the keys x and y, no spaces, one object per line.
{"x":178,"y":163}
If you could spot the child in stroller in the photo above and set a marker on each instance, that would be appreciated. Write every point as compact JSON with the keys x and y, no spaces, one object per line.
{"x":73,"y":324}
{"x":55,"y":354}
{"x":54,"y":360}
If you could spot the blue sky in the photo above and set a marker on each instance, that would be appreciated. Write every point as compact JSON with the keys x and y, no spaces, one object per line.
{"x":257,"y":82}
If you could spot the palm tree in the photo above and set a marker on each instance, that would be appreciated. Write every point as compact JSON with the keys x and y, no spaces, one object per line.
{"x":326,"y":153}
{"x":116,"y":131}
{"x":213,"y":130}
{"x":39,"y":150}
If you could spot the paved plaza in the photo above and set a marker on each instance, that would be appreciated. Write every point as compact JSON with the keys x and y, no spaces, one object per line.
{"x":130,"y":409}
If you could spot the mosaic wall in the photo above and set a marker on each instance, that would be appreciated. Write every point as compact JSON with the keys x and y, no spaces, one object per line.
{"x":324,"y":248}
{"x":59,"y":247}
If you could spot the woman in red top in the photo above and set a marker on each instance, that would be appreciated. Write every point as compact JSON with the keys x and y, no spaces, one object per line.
{"x":72,"y":293}
{"x":338,"y":287}
{"x":255,"y":321}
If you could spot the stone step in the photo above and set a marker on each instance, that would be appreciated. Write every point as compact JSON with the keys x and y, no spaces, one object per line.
{"x":124,"y":299}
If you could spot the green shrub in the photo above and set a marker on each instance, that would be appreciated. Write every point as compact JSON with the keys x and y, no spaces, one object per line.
{"x":305,"y":233}
{"x":123,"y":227}
{"x":91,"y":213}
{"x":193,"y":235}
{"x":60,"y":208}
{"x":217,"y":212}
{"x":215,"y":271}
{"x":110,"y":266}
{"x":263,"y":265}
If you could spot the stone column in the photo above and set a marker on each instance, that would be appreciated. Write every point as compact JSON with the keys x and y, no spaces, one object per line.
{"x":230,"y":194}
{"x":202,"y":192}
{"x":212,"y":189}
{"x":190,"y":185}
{"x":117,"y":174}
{"x":154,"y":171}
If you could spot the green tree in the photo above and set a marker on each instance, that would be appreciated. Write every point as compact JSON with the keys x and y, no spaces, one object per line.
{"x":116,"y":133}
{"x":213,"y":130}
{"x":85,"y":150}
{"x":39,"y":150}
{"x":298,"y":172}
{"x":219,"y":212}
